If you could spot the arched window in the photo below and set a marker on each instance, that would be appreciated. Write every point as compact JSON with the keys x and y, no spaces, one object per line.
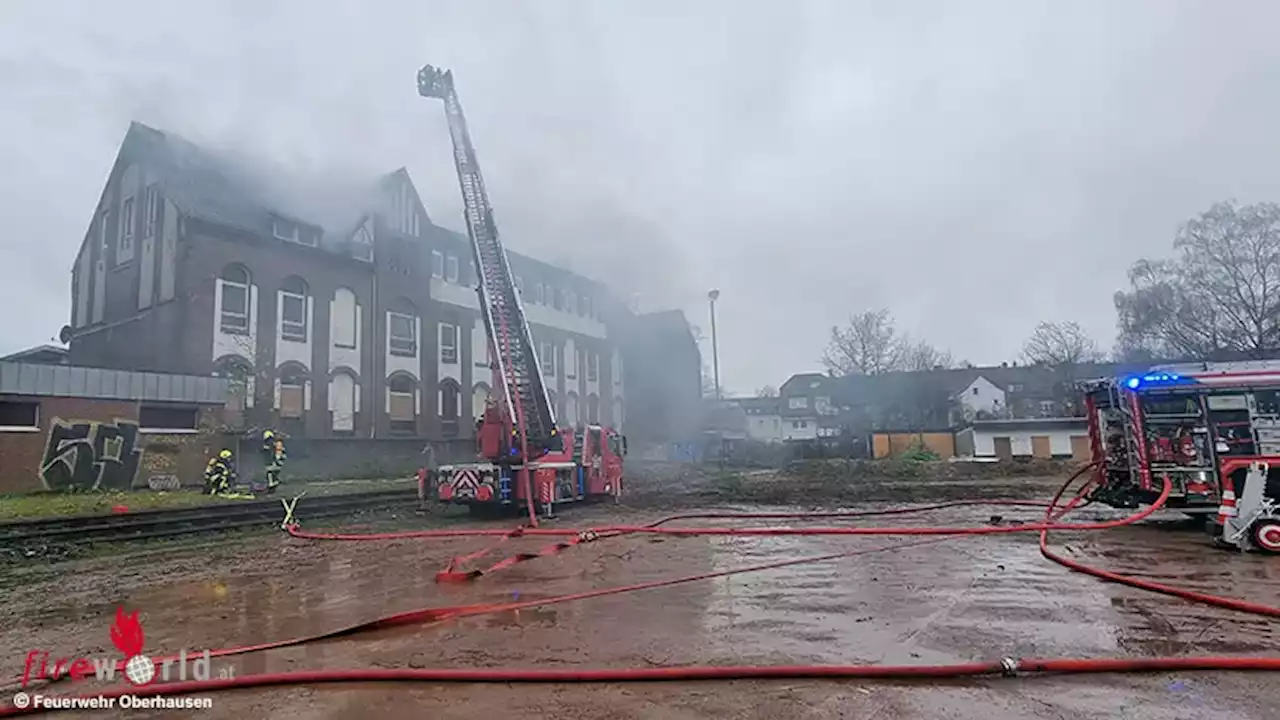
{"x":233,"y":305}
{"x":293,"y":309}
{"x":450,"y":400}
{"x":593,"y":409}
{"x":344,"y":403}
{"x":402,"y":403}
{"x":479,"y":399}
{"x":344,"y":322}
{"x":240,"y":375}
{"x":293,"y":390}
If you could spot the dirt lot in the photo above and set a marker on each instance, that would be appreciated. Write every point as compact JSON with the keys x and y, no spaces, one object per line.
{"x":961,"y":600}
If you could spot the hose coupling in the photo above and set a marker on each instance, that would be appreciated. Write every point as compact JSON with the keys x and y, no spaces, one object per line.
{"x":587,"y":536}
{"x":1009,"y":667}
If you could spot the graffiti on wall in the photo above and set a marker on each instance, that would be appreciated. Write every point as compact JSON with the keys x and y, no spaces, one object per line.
{"x":87,"y":454}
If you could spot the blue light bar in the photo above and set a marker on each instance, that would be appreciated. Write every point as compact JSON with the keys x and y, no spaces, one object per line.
{"x":1137,"y":381}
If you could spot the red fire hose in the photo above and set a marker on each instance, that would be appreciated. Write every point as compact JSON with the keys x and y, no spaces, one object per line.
{"x":1006,"y":666}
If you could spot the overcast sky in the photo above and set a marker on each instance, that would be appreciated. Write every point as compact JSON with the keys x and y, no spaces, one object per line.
{"x":974,"y":166}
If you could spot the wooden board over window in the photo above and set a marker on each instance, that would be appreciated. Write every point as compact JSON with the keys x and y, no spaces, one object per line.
{"x":291,"y":401}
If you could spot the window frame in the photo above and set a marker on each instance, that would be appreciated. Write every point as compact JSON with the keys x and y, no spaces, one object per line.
{"x":437,"y":264}
{"x":448,"y":353}
{"x":124,"y":244}
{"x":548,"y":358}
{"x":151,"y":206}
{"x":451,"y":268}
{"x":290,"y":330}
{"x":355,"y":320}
{"x":35,"y":412}
{"x":402,"y":351}
{"x":223,"y":314}
{"x":593,"y":366}
{"x":166,"y":428}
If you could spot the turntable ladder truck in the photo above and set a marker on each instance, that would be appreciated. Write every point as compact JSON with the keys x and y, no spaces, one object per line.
{"x":523,"y":457}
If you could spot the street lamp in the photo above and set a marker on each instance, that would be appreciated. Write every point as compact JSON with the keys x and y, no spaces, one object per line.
{"x":715,"y":350}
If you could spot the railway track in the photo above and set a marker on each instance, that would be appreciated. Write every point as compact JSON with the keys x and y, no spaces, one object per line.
{"x":150,"y":524}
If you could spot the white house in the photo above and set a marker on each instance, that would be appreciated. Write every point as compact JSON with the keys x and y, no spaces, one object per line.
{"x":981,"y":396}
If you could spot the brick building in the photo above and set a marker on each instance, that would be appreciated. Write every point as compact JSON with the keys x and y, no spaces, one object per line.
{"x":64,"y":427}
{"x":365,"y":327}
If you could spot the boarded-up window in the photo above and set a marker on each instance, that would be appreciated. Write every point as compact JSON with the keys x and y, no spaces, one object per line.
{"x":293,"y":394}
{"x":342,"y":321}
{"x":401,"y":400}
{"x":342,"y":401}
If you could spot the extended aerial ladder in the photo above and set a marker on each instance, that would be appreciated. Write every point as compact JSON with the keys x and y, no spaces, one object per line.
{"x":519,"y":424}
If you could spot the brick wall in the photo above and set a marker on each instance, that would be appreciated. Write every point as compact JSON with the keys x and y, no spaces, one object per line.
{"x":114,"y":456}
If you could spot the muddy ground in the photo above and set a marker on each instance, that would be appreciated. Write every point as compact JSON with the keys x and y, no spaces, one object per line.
{"x":962,"y":600}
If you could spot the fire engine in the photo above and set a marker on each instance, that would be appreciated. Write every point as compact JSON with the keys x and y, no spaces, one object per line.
{"x":524,"y":458}
{"x":1211,"y":429}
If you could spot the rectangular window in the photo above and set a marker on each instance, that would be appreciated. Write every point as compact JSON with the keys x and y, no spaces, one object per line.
{"x":18,"y":416}
{"x":152,"y":209}
{"x":448,"y":343}
{"x":124,"y":251}
{"x":593,"y":366}
{"x":548,"y":359}
{"x":402,"y":334}
{"x":103,"y":234}
{"x":437,"y":264}
{"x":451,"y":268}
{"x":798,"y":403}
{"x":164,"y":418}
{"x":293,"y":317}
{"x":235,"y":308}
{"x":282,"y":230}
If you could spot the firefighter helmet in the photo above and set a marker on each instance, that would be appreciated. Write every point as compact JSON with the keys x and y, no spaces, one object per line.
{"x":225,"y":454}
{"x":267,"y":434}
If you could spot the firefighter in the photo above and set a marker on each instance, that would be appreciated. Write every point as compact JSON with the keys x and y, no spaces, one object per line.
{"x":219,"y":474}
{"x":273,"y":457}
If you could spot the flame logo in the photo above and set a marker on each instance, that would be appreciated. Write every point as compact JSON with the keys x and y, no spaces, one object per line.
{"x":126,"y":633}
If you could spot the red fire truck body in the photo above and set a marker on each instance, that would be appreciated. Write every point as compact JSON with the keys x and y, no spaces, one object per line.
{"x":590,"y":467}
{"x":1211,"y":429}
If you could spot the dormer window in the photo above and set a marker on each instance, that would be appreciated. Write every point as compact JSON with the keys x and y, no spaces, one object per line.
{"x":292,"y":232}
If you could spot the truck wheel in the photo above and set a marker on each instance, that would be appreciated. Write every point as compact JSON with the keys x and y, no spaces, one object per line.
{"x":1266,"y":535}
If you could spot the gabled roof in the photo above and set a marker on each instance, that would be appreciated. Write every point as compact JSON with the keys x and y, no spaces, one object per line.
{"x":214,"y":187}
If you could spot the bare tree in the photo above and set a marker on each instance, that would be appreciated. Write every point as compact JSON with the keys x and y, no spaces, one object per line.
{"x":871,"y":345}
{"x":768,"y":391}
{"x":868,"y":345}
{"x":1060,"y":344}
{"x":918,"y":355}
{"x":1221,"y":291}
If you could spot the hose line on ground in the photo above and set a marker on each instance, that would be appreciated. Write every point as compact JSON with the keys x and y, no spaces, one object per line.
{"x":1006,"y":666}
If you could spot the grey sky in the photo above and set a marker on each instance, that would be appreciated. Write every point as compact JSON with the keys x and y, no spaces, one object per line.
{"x":976,"y":166}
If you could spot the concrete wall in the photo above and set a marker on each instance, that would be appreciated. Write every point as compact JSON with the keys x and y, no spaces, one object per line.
{"x":1022,"y":444}
{"x":349,"y":458}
